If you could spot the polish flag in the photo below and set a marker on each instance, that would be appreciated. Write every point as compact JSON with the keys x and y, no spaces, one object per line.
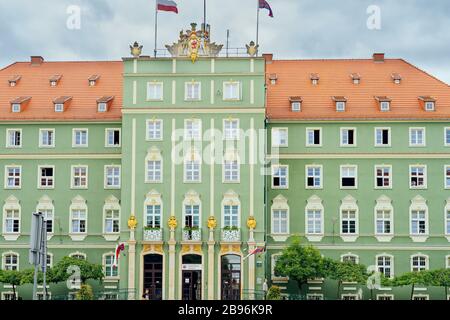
{"x":167,"y":5}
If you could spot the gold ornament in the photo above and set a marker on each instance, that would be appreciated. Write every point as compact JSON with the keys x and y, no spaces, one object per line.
{"x":132,"y":222}
{"x":194,"y":43}
{"x":212,"y":222}
{"x":252,"y":49}
{"x":136,"y":50}
{"x":251,"y":222}
{"x":172,"y":222}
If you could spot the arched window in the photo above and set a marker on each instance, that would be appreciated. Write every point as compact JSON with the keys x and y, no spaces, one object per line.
{"x":11,"y":219}
{"x":153,"y":210}
{"x":154,"y":166}
{"x":78,"y":255}
{"x":231,"y":210}
{"x":78,"y":219}
{"x":384,"y":219}
{"x":10,"y":260}
{"x":111,"y":218}
{"x":418,"y":219}
{"x":349,"y":219}
{"x":46,"y":207}
{"x":109,"y":269}
{"x":350,"y":257}
{"x":419,"y":262}
{"x":314,"y":219}
{"x":280,"y":218}
{"x":385,"y":264}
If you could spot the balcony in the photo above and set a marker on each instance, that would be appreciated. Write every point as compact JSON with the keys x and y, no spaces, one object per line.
{"x":192,"y":234}
{"x":153,"y":234}
{"x":231,"y":234}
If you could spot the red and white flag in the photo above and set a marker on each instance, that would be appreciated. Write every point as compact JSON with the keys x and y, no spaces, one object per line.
{"x":167,"y":5}
{"x":120,"y":247}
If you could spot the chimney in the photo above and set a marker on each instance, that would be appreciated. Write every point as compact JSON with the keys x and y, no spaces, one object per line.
{"x":378,"y":57}
{"x":36,"y":60}
{"x":268,"y":57}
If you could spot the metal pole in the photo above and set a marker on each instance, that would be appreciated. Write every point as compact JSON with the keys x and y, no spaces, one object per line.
{"x":44,"y":258}
{"x":228,"y":38}
{"x":257,"y":26}
{"x":204,"y":13}
{"x":35,"y":279}
{"x":156,"y":26}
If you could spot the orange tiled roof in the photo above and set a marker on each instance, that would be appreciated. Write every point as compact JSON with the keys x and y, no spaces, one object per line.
{"x":73,"y":82}
{"x":294,"y":80}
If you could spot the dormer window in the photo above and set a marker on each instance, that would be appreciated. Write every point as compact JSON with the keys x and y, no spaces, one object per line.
{"x":314,"y":79}
{"x":384,"y":103}
{"x":93,"y":80}
{"x":429,"y":106}
{"x":356,"y":78}
{"x":61,"y":103}
{"x":340,"y":103}
{"x":273,"y":78}
{"x":397,"y":78}
{"x":296,"y":104}
{"x":14,"y":80}
{"x":55,"y":80}
{"x":17,"y":105}
{"x":104,"y":103}
{"x":428,"y":103}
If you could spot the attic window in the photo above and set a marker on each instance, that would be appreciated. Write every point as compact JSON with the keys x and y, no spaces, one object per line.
{"x":429,"y":103}
{"x":93,"y":80}
{"x":17,"y":104}
{"x":384,"y":103}
{"x":14,"y":80}
{"x":273,"y":78}
{"x":314,"y":79}
{"x":296,"y":104}
{"x":104,"y":103}
{"x":15,"y":107}
{"x":397,"y":78}
{"x":340,"y":103}
{"x":356,"y":78}
{"x":55,"y":80}
{"x":61,"y":103}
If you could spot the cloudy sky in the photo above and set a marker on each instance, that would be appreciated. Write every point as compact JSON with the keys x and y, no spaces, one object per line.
{"x":416,"y":30}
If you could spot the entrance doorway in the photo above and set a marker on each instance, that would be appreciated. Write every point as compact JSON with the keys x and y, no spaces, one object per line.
{"x":153,"y":275}
{"x":191,"y":277}
{"x":231,"y":277}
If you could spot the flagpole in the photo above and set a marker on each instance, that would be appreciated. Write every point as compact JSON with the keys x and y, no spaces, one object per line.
{"x":204,"y":14}
{"x":257,"y":26}
{"x":156,"y":27}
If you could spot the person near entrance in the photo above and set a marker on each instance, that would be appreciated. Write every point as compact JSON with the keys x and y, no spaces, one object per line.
{"x":146,"y":295}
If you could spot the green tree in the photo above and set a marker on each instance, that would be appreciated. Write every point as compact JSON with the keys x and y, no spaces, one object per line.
{"x":345,"y":271}
{"x":274,"y":293}
{"x":411,"y":279}
{"x":59,"y":272}
{"x":85,"y":293}
{"x":300,"y":263}
{"x":438,"y":278}
{"x":16,"y":278}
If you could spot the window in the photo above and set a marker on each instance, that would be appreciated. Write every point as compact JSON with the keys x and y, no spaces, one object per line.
{"x":385,"y":105}
{"x":382,"y":137}
{"x":348,"y":222}
{"x":348,"y":177}
{"x":348,"y":137}
{"x":155,"y":91}
{"x":385,"y":297}
{"x":447,"y":177}
{"x":314,"y":296}
{"x":417,"y":177}
{"x":349,"y":296}
{"x":12,"y":221}
{"x":13,"y":138}
{"x":280,"y":177}
{"x":79,"y":177}
{"x":350,"y":258}
{"x":231,"y":215}
{"x":78,"y":255}
{"x":192,"y":129}
{"x":192,"y":169}
{"x":429,"y":106}
{"x":280,"y":221}
{"x":59,"y":107}
{"x":112,"y":177}
{"x":447,"y":136}
{"x":153,"y":216}
{"x":279,"y":137}
{"x":78,"y":220}
{"x":421,"y":297}
{"x":40,"y":296}
{"x":102,"y":107}
{"x":296,"y":106}
{"x":49,"y":217}
{"x":10,"y":261}
{"x":80,"y":138}
{"x":231,"y":91}
{"x":231,"y":170}
{"x":419,"y":222}
{"x":192,"y":91}
{"x":192,"y":216}
{"x":447,"y":221}
{"x":313,"y":137}
{"x":113,"y":138}
{"x":231,"y":129}
{"x":313,"y":177}
{"x":384,"y":265}
{"x":154,"y":168}
{"x":314,"y":222}
{"x":340,"y":106}
{"x":47,"y":177}
{"x":416,"y":137}
{"x":419,"y":263}
{"x":154,"y":129}
{"x":13,"y":177}
{"x":110,"y":269}
{"x":46,"y":138}
{"x":15,"y":107}
{"x":383,"y":222}
{"x":383,"y":177}
{"x":112,"y":221}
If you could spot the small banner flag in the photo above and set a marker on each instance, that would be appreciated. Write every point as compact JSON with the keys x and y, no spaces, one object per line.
{"x":263,"y":4}
{"x":120,"y":247}
{"x":167,"y":5}
{"x":255,"y":251}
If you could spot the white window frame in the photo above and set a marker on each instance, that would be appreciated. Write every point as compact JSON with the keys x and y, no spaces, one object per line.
{"x":8,"y":253}
{"x":78,"y":204}
{"x":424,"y":137}
{"x":106,"y":176}
{"x":341,"y":106}
{"x":355,"y":167}
{"x":384,"y":204}
{"x":154,"y":155}
{"x":425,"y":176}
{"x":446,"y":143}
{"x":349,"y":254}
{"x":7,"y":167}
{"x":153,"y":199}
{"x":12,"y":204}
{"x":341,"y":137}
{"x":276,"y":134}
{"x":314,"y":204}
{"x":46,"y":204}
{"x":447,"y":261}
{"x":194,"y":159}
{"x":40,"y":186}
{"x":349,"y":295}
{"x":383,"y":105}
{"x":349,"y":204}
{"x":391,"y":266}
{"x":447,"y":220}
{"x":72,"y":177}
{"x":383,"y":166}
{"x":280,"y":203}
{"x":234,"y":83}
{"x":314,"y":166}
{"x":74,"y":139}
{"x":8,"y":132}
{"x":231,"y":199}
{"x":41,"y":136}
{"x":155,"y":132}
{"x":78,"y":253}
{"x":59,"y":107}
{"x":102,"y":106}
{"x":296,"y":106}
{"x":273,"y":261}
{"x":111,"y":204}
{"x":15,"y":107}
{"x":108,"y":132}
{"x":391,"y":296}
{"x":231,"y":133}
{"x":186,"y":91}
{"x":446,"y":176}
{"x":149,"y":97}
{"x":311,"y":296}
{"x":418,"y":204}
{"x":287,"y":176}
{"x":381,"y":145}
{"x":430,"y":103}
{"x":192,"y":137}
{"x":111,"y":266}
{"x":192,"y":199}
{"x":228,"y":160}
{"x":308,"y":130}
{"x":420,"y":255}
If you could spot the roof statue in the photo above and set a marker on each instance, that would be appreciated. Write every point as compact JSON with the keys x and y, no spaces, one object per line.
{"x":194,"y":43}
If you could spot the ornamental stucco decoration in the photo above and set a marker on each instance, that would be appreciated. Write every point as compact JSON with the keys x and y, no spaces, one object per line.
{"x":172,"y":223}
{"x":132,"y":222}
{"x":251,"y":223}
